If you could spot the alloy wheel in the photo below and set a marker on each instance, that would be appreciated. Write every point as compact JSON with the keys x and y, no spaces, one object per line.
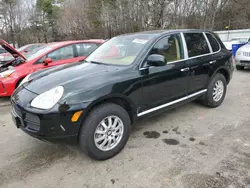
{"x":108,"y":133}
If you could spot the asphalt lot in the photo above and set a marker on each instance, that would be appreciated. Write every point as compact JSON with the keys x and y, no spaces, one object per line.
{"x":188,"y":147}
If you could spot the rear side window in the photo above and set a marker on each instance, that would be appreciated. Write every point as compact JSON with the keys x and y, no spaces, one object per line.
{"x":213,"y":42}
{"x":84,"y":49}
{"x":196,"y":44}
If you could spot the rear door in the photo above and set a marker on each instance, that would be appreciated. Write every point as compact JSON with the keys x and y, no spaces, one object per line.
{"x":219,"y":55}
{"x":199,"y":59}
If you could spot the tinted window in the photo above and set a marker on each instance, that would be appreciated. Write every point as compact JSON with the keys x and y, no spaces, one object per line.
{"x":196,"y":44}
{"x":170,"y":47}
{"x":213,"y":42}
{"x":41,"y":60}
{"x":2,"y":50}
{"x":62,"y":53}
{"x":84,"y":49}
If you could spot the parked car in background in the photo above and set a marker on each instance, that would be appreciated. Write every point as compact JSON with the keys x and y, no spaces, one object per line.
{"x":228,"y":44}
{"x":12,"y":72}
{"x":130,"y":76}
{"x":9,"y":57}
{"x":2,"y":50}
{"x":242,"y":57}
{"x":30,"y":48}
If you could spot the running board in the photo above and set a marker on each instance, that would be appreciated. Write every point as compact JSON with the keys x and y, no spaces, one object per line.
{"x":171,"y":103}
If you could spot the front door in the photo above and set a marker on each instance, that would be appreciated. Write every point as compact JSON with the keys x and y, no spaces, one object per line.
{"x":165,"y":84}
{"x":59,"y":56}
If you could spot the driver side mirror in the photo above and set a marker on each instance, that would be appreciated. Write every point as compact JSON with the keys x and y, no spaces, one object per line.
{"x":156,"y":60}
{"x":47,"y":61}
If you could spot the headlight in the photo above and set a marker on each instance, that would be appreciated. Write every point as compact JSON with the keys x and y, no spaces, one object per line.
{"x":238,"y":52}
{"x":26,"y":79}
{"x":6,"y":73}
{"x":48,"y":99}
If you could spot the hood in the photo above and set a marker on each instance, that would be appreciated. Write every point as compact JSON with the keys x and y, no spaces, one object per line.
{"x":245,"y":48}
{"x":72,"y":77}
{"x":11,"y":50}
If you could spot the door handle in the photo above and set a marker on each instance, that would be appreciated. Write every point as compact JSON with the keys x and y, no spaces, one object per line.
{"x":185,"y":69}
{"x":212,"y":62}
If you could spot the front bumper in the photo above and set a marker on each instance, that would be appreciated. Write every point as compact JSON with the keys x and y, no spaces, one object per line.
{"x":243,"y":60}
{"x":243,"y":63}
{"x":52,"y":127}
{"x":6,"y":88}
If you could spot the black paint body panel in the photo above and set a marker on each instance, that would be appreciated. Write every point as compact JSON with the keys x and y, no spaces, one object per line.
{"x":87,"y":84}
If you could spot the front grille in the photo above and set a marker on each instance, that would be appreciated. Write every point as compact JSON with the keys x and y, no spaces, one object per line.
{"x":245,"y":62}
{"x":247,"y":54}
{"x":32,"y":122}
{"x":29,"y":121}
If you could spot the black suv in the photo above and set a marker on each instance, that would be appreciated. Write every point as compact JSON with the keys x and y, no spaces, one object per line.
{"x":94,"y":102}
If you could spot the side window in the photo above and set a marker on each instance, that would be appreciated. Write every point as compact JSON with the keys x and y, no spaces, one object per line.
{"x":40,"y":61}
{"x":213,"y":42}
{"x":84,"y":49}
{"x":171,"y":47}
{"x":66,"y":52}
{"x":196,"y":44}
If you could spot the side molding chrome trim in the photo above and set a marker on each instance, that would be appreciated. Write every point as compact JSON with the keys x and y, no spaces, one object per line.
{"x":171,"y":103}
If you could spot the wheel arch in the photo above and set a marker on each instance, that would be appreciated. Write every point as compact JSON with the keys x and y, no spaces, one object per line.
{"x":224,"y":72}
{"x":19,"y":81}
{"x":120,"y":100}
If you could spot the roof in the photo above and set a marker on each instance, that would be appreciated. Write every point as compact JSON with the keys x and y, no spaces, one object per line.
{"x":63,"y":43}
{"x":160,"y":32}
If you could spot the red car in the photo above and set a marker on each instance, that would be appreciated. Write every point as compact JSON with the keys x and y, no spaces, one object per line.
{"x":53,"y":54}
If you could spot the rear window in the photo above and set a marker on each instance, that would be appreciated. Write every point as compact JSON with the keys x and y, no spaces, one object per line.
{"x":213,"y":42}
{"x":196,"y":44}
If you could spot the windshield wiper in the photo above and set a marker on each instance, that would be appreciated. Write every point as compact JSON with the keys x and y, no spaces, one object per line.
{"x":96,"y":62}
{"x":85,"y":61}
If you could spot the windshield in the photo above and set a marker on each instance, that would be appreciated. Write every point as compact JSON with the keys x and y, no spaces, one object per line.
{"x":120,"y":50}
{"x":42,"y":50}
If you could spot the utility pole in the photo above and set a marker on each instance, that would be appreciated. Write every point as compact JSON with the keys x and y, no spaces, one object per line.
{"x":228,"y":27}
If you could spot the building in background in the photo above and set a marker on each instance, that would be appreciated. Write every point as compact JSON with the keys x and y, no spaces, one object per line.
{"x":231,"y":37}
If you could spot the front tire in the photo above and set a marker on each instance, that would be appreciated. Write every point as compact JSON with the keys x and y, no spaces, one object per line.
{"x":216,"y":91}
{"x":105,"y":131}
{"x":239,"y":67}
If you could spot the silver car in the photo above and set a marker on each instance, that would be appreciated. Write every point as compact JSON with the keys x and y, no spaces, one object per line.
{"x":242,"y":57}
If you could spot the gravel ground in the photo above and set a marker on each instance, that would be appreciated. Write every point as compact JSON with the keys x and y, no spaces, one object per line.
{"x":189,"y":147}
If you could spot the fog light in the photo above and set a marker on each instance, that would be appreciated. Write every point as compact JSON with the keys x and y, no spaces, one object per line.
{"x":76,"y":116}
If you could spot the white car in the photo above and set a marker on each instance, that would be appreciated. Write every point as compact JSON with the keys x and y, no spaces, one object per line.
{"x":242,"y":57}
{"x":228,"y":44}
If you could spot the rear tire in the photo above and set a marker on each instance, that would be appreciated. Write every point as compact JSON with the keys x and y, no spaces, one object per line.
{"x":239,"y":67}
{"x":216,"y":91}
{"x":98,"y":130}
